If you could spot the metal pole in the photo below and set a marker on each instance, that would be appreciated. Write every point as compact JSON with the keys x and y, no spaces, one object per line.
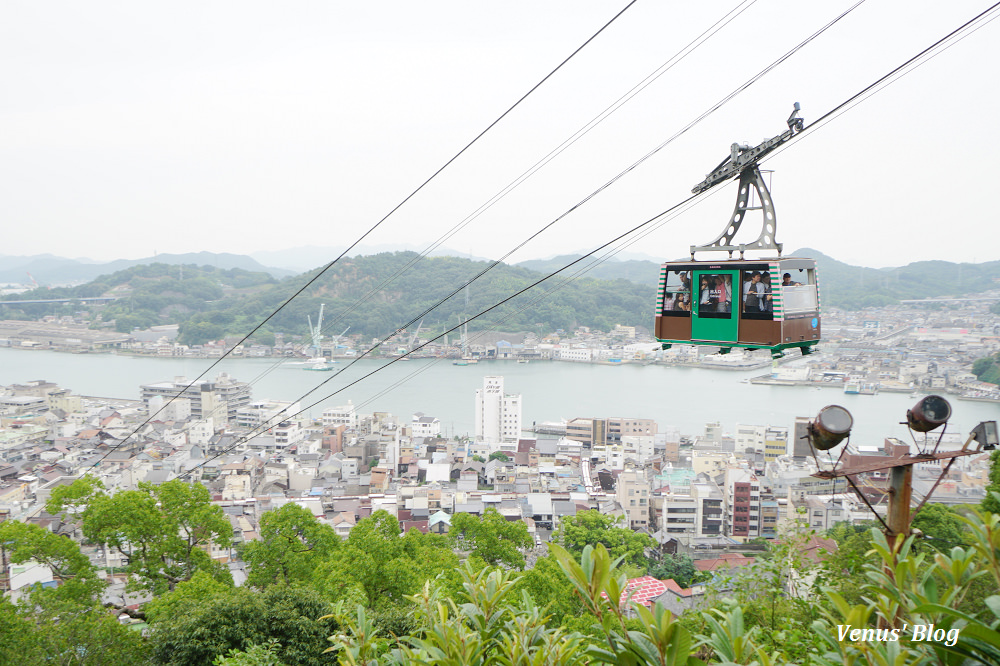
{"x":900,"y":491}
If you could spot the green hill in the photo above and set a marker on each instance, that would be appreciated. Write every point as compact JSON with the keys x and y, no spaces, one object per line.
{"x":148,"y":295}
{"x":211,"y":303}
{"x":584,"y":302}
{"x":843,"y":285}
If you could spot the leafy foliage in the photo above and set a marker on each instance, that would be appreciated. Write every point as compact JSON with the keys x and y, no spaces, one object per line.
{"x":162,"y":531}
{"x":491,"y":538}
{"x":66,"y":634}
{"x":77,"y":577}
{"x":987,"y":368}
{"x":292,"y":542}
{"x":240,"y":619}
{"x":679,"y":567}
{"x":596,"y":303}
{"x":378,"y":565}
{"x":153,"y":294}
{"x":941,"y":526}
{"x":990,"y":502}
{"x":592,"y":528}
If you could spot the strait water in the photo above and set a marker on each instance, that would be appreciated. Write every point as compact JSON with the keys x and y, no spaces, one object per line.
{"x":674,"y":396}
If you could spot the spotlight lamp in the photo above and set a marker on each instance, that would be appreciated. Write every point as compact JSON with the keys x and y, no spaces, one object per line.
{"x":831,"y":426}
{"x":986,"y":435}
{"x":928,"y":414}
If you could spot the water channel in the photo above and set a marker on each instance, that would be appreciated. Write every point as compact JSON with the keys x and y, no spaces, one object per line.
{"x":684,"y":397}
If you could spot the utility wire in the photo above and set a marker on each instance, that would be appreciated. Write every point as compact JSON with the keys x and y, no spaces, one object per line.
{"x":681,"y":54}
{"x":583,"y":201}
{"x":370,"y":230}
{"x":862,"y":95}
{"x":548,"y":292}
{"x":896,"y":74}
{"x":450,"y":330}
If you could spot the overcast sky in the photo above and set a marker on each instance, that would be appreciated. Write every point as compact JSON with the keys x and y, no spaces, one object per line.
{"x":133,"y":128}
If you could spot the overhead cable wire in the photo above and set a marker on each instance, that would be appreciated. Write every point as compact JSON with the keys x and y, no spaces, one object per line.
{"x":373,"y":227}
{"x":542,"y":295}
{"x":909,"y":66}
{"x":669,"y":64}
{"x":544,"y":228}
{"x":897,"y":73}
{"x":452,"y":329}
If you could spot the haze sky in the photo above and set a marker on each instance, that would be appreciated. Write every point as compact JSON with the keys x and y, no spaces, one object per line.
{"x":136,"y":128}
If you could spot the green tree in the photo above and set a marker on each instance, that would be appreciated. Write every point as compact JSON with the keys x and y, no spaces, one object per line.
{"x":378,"y":565}
{"x":941,"y":527}
{"x":844,"y":569}
{"x":162,"y":531}
{"x":65,"y":635}
{"x":188,"y":593}
{"x":552,"y":591}
{"x":679,"y":567}
{"x":987,"y":368}
{"x":491,"y":537}
{"x":291,"y":544}
{"x":255,"y":655}
{"x":990,"y":502}
{"x":77,"y":577}
{"x":499,"y":455}
{"x":590,"y":528}
{"x":241,"y":618}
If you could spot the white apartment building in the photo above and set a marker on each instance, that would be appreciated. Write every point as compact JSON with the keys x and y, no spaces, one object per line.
{"x":345,"y":415}
{"x":287,"y":433}
{"x":205,"y":397}
{"x":750,"y":437}
{"x":425,"y":426}
{"x":498,"y":414}
{"x":265,"y":411}
{"x":638,"y":447}
{"x":576,"y":354}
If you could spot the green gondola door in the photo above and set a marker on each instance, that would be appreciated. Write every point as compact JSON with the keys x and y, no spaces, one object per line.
{"x":715,"y":311}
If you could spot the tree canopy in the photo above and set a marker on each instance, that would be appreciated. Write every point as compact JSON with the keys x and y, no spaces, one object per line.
{"x":163,"y":532}
{"x":491,"y":537}
{"x":590,"y":528}
{"x":292,"y":542}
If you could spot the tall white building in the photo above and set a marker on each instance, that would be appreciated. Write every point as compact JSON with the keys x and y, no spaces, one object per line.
{"x":498,"y":414}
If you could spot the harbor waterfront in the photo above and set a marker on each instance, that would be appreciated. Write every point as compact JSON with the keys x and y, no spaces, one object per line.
{"x":682,"y":397}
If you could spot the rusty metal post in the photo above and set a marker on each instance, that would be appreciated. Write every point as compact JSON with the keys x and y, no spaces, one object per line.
{"x":900,"y":492}
{"x":898,"y":519}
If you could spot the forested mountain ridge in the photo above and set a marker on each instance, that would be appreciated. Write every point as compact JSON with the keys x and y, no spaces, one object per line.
{"x":211,"y":303}
{"x":843,"y":285}
{"x":396,"y":300}
{"x":147,"y":295}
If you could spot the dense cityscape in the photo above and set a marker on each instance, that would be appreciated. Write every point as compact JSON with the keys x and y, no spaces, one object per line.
{"x":711,"y":496}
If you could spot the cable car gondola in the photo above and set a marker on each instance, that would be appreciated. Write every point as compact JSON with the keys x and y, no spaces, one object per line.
{"x":768,"y":303}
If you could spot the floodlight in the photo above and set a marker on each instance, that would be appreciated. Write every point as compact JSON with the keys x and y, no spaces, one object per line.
{"x":986,"y":434}
{"x":830,"y":427}
{"x":928,"y":414}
